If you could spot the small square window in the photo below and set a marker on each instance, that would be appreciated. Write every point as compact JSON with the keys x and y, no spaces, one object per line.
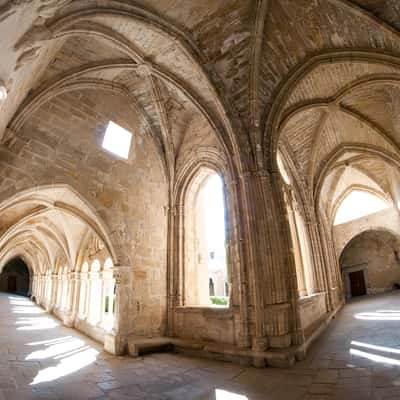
{"x":117,"y":140}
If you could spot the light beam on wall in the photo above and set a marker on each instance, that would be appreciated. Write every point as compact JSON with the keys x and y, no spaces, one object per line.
{"x":357,"y":204}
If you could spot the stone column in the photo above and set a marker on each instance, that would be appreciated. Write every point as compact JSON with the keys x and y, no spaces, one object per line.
{"x":116,"y":342}
{"x":270,"y":262}
{"x":70,"y":309}
{"x":59,"y":292}
{"x":34,"y":288}
{"x":82,"y":296}
{"x":53,"y":295}
{"x":76,"y":276}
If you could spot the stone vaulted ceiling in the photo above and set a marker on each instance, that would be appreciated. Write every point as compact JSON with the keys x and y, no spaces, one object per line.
{"x":247,"y":69}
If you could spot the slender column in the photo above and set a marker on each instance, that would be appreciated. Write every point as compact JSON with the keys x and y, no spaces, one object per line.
{"x":59,"y":292}
{"x":82,"y":296}
{"x":116,"y":341}
{"x":76,"y":294}
{"x":69,"y":315}
{"x":49,"y":288}
{"x":53,"y":296}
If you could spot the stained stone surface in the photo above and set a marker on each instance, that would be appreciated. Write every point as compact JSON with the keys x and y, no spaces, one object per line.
{"x":40,"y":359}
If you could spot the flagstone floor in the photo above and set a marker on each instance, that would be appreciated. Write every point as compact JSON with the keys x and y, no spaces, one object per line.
{"x":357,"y":358}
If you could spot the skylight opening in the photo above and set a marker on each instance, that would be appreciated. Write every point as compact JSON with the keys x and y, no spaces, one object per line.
{"x":358,"y":204}
{"x":117,"y":140}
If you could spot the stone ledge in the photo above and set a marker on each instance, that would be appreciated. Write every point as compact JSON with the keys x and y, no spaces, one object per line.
{"x":281,"y":358}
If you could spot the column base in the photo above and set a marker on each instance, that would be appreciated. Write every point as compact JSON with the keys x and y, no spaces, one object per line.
{"x":280,"y":342}
{"x":68,"y":320}
{"x":116,"y":344}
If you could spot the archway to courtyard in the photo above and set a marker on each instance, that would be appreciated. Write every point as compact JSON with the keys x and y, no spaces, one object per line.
{"x":370,"y":263}
{"x":205,"y":253}
{"x":15,"y":277}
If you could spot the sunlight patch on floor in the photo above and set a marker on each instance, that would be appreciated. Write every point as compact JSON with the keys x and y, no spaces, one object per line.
{"x":387,"y":315}
{"x":374,"y":347}
{"x":225,"y":395}
{"x":56,"y":349}
{"x":35,"y":323}
{"x":374,"y":357}
{"x":66,"y":366}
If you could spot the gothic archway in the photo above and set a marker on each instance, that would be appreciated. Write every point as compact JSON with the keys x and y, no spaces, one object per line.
{"x":15,"y":277}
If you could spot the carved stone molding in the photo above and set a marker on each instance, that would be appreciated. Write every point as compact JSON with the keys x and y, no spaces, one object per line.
{"x":277,"y":319}
{"x":33,"y":40}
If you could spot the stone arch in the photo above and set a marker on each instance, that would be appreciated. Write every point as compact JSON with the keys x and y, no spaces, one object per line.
{"x":356,"y":187}
{"x":204,"y":163}
{"x":372,"y":257}
{"x":192,"y":236}
{"x":367,"y":228}
{"x":276,"y":114}
{"x":74,"y":21}
{"x":37,"y":202}
{"x":16,"y":277}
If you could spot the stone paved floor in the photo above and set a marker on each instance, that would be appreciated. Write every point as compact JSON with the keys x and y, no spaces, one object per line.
{"x":357,"y":358}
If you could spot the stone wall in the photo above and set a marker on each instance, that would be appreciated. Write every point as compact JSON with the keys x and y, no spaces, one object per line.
{"x":387,"y":219}
{"x":61,"y":143}
{"x":377,"y":253}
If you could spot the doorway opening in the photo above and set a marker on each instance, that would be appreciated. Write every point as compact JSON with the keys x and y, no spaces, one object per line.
{"x":357,"y":283}
{"x":15,"y":277}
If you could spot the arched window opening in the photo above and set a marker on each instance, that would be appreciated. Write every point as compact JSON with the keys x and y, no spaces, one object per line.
{"x":282,"y":169}
{"x":358,"y":204}
{"x":15,"y":277}
{"x":95,"y":302}
{"x":206,"y":277}
{"x":302,"y":251}
{"x":108,"y":295}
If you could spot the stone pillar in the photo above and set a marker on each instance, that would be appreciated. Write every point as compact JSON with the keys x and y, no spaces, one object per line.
{"x":59,"y":292}
{"x":82,"y":295}
{"x":48,"y":290}
{"x":34,"y":287}
{"x":53,"y":295}
{"x":70,"y":309}
{"x":76,"y":276}
{"x":116,"y":342}
{"x":270,"y":262}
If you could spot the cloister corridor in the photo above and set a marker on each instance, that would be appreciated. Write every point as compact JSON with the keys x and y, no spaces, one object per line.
{"x":358,"y":357}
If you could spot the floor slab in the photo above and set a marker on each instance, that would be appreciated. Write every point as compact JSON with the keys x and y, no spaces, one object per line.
{"x":358,"y":357}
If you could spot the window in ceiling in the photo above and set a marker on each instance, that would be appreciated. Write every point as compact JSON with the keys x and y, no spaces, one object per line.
{"x":357,"y":204}
{"x":117,"y":140}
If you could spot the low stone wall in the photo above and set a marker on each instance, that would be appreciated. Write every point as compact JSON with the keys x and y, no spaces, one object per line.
{"x":212,"y":324}
{"x":311,"y":310}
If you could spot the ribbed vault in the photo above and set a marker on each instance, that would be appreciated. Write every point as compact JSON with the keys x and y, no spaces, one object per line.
{"x":46,"y":225}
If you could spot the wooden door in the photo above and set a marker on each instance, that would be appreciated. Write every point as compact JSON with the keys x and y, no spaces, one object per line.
{"x":357,"y":283}
{"x":12,"y":284}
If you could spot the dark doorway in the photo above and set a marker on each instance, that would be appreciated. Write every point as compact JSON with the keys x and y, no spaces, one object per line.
{"x":14,"y":277}
{"x":12,"y":284}
{"x":357,"y":283}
